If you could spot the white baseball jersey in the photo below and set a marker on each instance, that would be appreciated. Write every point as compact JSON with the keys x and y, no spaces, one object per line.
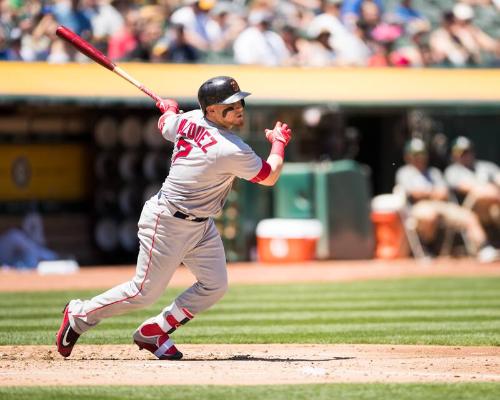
{"x":205,"y":161}
{"x":482,"y":173}
{"x":411,"y":178}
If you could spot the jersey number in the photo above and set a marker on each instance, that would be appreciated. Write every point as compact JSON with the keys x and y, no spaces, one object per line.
{"x":183,"y":149}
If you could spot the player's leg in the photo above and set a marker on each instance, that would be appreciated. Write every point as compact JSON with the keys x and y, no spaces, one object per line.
{"x":464,"y":220}
{"x":153,"y":334}
{"x":156,"y":263}
{"x":207,"y":262}
{"x":426,"y":214}
{"x":158,"y":258}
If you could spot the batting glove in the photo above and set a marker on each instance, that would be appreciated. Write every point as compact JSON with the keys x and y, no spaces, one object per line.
{"x":281,"y":133}
{"x":168,"y":105}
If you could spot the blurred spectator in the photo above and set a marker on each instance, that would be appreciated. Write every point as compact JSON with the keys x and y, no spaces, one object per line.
{"x":4,"y":44}
{"x":58,"y":53}
{"x":472,"y":38}
{"x":370,"y":14}
{"x":231,"y":22}
{"x":407,"y":13}
{"x":418,"y":51}
{"x":361,"y":50}
{"x":295,"y":45}
{"x":297,"y":13}
{"x":176,"y":47}
{"x":259,"y":44}
{"x":358,"y":29}
{"x":26,"y":25}
{"x":7,"y":20}
{"x":317,"y":51}
{"x":200,"y":29}
{"x":44,"y":42}
{"x":427,"y":192}
{"x":349,"y":48}
{"x":16,"y":23}
{"x":14,"y":51}
{"x":148,"y":46}
{"x":482,"y":3}
{"x":446,"y":47}
{"x":70,"y":13}
{"x":25,"y":247}
{"x":475,"y":182}
{"x":105,"y":20}
{"x":385,"y":53}
{"x":328,"y":20}
{"x":354,"y":10}
{"x":125,"y":40}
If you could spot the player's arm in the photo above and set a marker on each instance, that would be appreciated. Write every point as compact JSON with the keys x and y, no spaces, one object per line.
{"x":279,"y":138}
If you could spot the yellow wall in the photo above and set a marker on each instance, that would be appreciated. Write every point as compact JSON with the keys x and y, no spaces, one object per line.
{"x":266,"y":84}
{"x":43,"y":172}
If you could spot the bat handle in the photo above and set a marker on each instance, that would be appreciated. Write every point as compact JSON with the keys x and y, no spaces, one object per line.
{"x":117,"y":70}
{"x":155,"y":97}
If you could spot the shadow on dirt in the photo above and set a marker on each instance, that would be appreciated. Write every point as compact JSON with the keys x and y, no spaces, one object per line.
{"x":248,"y":357}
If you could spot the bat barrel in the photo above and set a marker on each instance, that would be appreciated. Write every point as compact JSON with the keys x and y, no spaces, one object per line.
{"x":90,"y":51}
{"x":84,"y":47}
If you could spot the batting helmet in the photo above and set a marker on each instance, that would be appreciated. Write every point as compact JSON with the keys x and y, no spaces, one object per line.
{"x":220,"y":90}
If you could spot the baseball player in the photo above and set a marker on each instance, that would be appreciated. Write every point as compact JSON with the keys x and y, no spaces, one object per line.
{"x":176,"y":225}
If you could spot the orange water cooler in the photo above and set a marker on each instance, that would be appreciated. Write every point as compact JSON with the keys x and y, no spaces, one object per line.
{"x":387,"y":217}
{"x":287,"y":240}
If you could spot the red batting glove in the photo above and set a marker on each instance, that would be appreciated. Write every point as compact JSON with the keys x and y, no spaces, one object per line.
{"x":281,"y":133}
{"x":168,"y":105}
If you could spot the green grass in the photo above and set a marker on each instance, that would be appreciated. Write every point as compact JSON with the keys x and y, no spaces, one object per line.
{"x":445,"y":311}
{"x":462,"y":391}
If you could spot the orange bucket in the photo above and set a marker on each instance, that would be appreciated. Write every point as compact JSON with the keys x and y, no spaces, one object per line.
{"x":287,"y":240}
{"x":390,"y":234}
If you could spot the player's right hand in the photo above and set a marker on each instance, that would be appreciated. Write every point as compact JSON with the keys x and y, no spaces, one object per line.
{"x":166,"y":105}
{"x":281,"y":133}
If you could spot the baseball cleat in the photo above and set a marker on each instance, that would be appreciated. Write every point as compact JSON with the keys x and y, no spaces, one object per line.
{"x":66,"y":337}
{"x":149,"y":336}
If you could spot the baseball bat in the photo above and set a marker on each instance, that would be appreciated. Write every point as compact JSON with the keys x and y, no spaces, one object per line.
{"x":91,"y":52}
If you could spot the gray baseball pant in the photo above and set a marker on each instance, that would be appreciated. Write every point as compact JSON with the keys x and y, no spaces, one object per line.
{"x":165,"y":243}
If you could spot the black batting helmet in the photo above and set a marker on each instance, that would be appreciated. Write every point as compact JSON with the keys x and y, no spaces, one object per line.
{"x":220,"y":90}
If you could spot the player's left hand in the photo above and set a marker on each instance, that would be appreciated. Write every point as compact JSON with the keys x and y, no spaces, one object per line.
{"x":281,"y":133}
{"x":168,"y":105}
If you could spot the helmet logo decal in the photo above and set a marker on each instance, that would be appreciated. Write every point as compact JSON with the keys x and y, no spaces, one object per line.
{"x":234,"y":85}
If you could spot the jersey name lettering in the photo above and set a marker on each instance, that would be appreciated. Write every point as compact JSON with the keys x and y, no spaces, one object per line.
{"x":202,"y":137}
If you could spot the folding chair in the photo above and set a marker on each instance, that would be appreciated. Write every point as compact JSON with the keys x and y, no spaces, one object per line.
{"x":414,"y":241}
{"x":410,"y":225}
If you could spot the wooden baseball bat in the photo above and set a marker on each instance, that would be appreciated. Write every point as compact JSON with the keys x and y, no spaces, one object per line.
{"x":90,"y":51}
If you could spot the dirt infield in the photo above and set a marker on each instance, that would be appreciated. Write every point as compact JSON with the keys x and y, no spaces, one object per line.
{"x":250,"y":364}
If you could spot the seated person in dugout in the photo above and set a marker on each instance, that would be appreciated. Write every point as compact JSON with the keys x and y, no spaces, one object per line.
{"x":475,"y":182}
{"x":428,"y":196}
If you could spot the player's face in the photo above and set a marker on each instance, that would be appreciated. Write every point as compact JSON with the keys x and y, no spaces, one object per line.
{"x":419,"y":160}
{"x":467,"y":158}
{"x":227,"y":115}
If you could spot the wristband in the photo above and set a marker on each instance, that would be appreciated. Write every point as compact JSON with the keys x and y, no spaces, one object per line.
{"x":170,"y":107}
{"x":278,"y":148}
